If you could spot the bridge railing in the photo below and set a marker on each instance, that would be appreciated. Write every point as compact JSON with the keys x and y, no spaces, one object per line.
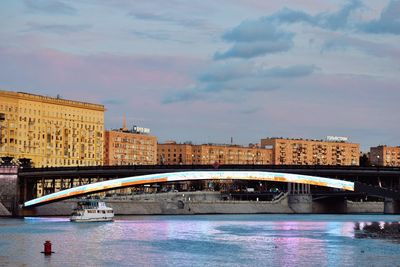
{"x":205,"y":167}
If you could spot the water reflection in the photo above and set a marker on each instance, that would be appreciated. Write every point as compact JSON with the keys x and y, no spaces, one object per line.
{"x":378,"y":230}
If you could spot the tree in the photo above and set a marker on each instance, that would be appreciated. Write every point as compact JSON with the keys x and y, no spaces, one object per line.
{"x":364,"y":161}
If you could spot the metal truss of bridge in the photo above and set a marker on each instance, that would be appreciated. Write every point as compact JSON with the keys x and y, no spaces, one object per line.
{"x":190,"y":176}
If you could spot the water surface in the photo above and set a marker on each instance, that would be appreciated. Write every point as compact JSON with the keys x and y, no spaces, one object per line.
{"x":200,"y":240}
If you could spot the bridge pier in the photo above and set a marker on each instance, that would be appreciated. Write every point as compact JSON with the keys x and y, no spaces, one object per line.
{"x":300,"y":203}
{"x":9,"y":190}
{"x":299,"y":198}
{"x":391,"y":206}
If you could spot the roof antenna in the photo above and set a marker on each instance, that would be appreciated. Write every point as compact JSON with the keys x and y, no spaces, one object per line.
{"x":124,"y":124}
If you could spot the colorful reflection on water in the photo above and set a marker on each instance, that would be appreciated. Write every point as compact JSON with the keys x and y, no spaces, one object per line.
{"x":216,"y":240}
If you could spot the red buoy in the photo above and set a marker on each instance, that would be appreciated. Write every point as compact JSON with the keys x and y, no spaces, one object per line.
{"x":47,"y":248}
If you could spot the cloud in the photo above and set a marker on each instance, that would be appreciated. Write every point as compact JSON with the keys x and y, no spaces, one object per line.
{"x":254,"y":49}
{"x":226,"y":72}
{"x":113,"y":101}
{"x":339,"y":19}
{"x":257,"y":30}
{"x":222,"y":79}
{"x":57,"y":28}
{"x":182,"y":96}
{"x":159,"y":36}
{"x":188,"y":22}
{"x":332,"y":21}
{"x":102,"y":76}
{"x":255,"y":38}
{"x":388,"y":22}
{"x":250,"y":111}
{"x":289,"y":72}
{"x":372,"y":48}
{"x":49,"y":7}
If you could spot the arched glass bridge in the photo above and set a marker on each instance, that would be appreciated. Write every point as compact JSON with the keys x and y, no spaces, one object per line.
{"x":189,"y":176}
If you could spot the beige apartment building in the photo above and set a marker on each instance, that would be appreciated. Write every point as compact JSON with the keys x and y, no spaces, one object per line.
{"x":51,"y":131}
{"x":171,"y":153}
{"x":385,"y":156}
{"x":312,"y":152}
{"x":129,"y":147}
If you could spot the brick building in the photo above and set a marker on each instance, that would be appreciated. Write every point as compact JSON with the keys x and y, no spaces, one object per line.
{"x":51,"y":131}
{"x":129,"y":147}
{"x":385,"y":156}
{"x":312,"y":152}
{"x":173,"y":153}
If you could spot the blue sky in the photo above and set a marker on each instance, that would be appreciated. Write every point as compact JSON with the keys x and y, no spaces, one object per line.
{"x":206,"y":71}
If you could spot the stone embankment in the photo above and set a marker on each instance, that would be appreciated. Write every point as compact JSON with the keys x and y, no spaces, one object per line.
{"x":200,"y":203}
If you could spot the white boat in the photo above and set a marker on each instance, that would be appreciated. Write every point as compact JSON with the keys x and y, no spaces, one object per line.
{"x":92,"y":211}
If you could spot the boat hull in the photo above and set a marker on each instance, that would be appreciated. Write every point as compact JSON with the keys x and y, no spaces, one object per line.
{"x":92,"y":211}
{"x":92,"y":220}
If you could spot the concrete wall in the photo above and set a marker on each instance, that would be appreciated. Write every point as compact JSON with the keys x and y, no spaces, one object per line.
{"x":170,"y":203}
{"x":364,"y":207}
{"x":392,"y":206}
{"x":206,"y":203}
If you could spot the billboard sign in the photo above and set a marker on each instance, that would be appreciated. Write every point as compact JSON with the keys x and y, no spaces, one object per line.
{"x":337,"y":138}
{"x":141,"y":130}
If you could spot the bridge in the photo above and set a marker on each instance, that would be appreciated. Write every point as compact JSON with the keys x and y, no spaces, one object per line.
{"x":30,"y":178}
{"x":372,"y":181}
{"x":387,"y":174}
{"x":190,"y":176}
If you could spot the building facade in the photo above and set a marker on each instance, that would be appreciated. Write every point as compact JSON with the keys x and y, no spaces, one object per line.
{"x":51,"y":131}
{"x":171,"y":153}
{"x":385,"y":156}
{"x":312,"y":152}
{"x":125,"y":147}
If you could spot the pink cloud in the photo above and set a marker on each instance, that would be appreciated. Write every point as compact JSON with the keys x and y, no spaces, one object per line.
{"x":48,"y":64}
{"x":105,"y":75}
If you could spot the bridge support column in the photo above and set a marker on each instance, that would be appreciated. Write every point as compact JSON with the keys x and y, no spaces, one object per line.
{"x":300,"y":203}
{"x":9,"y":190}
{"x":391,"y":206}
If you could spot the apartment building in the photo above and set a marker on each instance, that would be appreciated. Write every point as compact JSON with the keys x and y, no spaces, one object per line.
{"x":385,"y":156}
{"x":207,"y":154}
{"x":130,"y":147}
{"x":312,"y":152}
{"x":51,"y":131}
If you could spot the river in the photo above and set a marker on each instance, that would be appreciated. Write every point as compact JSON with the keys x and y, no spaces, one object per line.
{"x":199,"y":240}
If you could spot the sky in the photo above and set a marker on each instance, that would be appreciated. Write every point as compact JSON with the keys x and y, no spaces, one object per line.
{"x":208,"y":71}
